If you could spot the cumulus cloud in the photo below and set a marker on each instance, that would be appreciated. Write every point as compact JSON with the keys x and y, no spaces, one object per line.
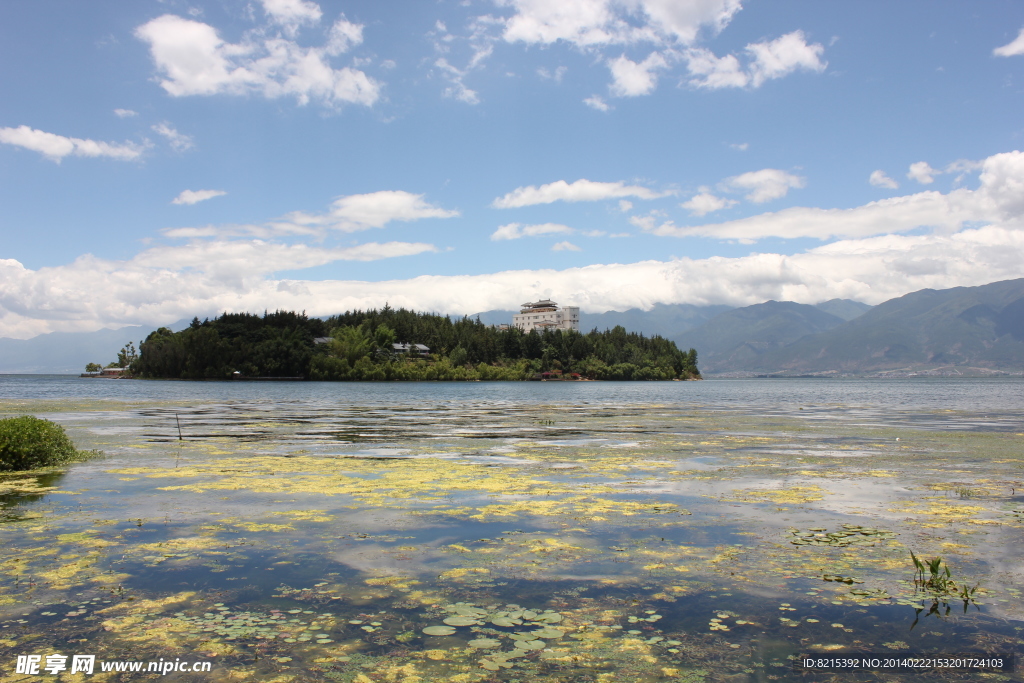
{"x":194,"y":60}
{"x":1014,"y":47}
{"x":195,"y":196}
{"x":999,"y":197}
{"x":595,"y":102}
{"x":783,"y":56}
{"x":292,"y":14}
{"x":922,"y":172}
{"x":56,"y":147}
{"x":764,"y":185}
{"x":125,"y":113}
{"x":705,"y":203}
{"x":630,"y":79}
{"x":582,"y":190}
{"x":565,"y":246}
{"x":344,"y":36}
{"x":165,"y":283}
{"x":587,"y":23}
{"x":765,"y":61}
{"x":672,"y":28}
{"x":880,"y":179}
{"x":357,"y":212}
{"x":179,"y":142}
{"x":514,"y":231}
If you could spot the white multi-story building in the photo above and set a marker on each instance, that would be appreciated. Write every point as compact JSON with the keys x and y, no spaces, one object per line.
{"x":546,"y":315}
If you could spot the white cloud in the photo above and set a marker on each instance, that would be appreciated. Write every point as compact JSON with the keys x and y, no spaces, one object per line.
{"x":56,"y":147}
{"x":565,"y":246}
{"x":194,"y":60}
{"x":1014,"y":47}
{"x":671,"y":27}
{"x":357,"y":212}
{"x":625,"y":205}
{"x":457,"y":88}
{"x":167,"y":283}
{"x":767,"y":61}
{"x":179,"y":142}
{"x":740,"y":146}
{"x":922,"y":172}
{"x":880,"y":179}
{"x":630,"y":79}
{"x":999,"y":198}
{"x":514,"y":231}
{"x":764,"y":185}
{"x":714,"y":72}
{"x":783,"y":56}
{"x":555,"y":75}
{"x":480,"y":44}
{"x":705,"y":203}
{"x":125,"y":113}
{"x":292,"y":14}
{"x":582,"y":190}
{"x":344,"y":36}
{"x":595,"y":102}
{"x":195,"y":196}
{"x":588,"y":23}
{"x":156,"y":289}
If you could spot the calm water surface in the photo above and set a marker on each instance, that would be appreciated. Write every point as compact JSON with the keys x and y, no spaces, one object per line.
{"x":592,"y":531}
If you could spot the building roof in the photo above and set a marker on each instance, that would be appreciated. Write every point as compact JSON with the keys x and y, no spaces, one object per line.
{"x":402,"y":348}
{"x":543,"y":303}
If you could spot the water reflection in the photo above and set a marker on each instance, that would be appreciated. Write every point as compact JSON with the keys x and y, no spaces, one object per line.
{"x":300,"y":540}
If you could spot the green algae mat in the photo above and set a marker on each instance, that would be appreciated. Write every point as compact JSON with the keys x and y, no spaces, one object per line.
{"x":567,"y":542}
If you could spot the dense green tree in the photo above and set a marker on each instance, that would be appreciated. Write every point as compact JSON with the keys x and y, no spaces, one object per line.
{"x":281,"y":344}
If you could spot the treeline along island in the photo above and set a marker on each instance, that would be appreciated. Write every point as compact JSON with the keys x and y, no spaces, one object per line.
{"x":399,"y":344}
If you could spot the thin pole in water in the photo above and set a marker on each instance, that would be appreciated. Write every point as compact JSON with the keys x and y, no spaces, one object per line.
{"x":179,"y":426}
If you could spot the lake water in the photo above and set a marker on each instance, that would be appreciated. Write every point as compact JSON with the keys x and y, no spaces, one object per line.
{"x":591,"y":531}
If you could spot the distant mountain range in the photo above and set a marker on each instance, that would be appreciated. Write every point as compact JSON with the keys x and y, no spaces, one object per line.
{"x":964,"y":330}
{"x":62,"y":353}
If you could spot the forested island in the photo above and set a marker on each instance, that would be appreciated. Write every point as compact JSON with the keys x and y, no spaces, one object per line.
{"x":388,"y":344}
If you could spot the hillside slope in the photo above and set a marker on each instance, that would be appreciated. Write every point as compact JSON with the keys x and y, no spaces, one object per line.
{"x":956,"y":329}
{"x":736,"y":339}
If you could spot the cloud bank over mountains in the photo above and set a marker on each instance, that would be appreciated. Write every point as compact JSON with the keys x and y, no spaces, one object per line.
{"x":970,"y":237}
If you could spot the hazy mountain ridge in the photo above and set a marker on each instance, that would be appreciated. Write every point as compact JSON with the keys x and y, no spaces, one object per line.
{"x":62,"y":353}
{"x":737,"y":338}
{"x":847,"y":309}
{"x":963,"y":330}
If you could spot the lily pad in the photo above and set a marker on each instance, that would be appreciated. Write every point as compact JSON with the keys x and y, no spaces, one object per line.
{"x":531,"y":645}
{"x":483,"y":643}
{"x":461,"y":621}
{"x":439,"y":630}
{"x":549,"y":633}
{"x":549,"y":618}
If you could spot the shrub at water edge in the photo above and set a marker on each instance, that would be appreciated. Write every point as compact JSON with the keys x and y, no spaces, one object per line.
{"x":28,"y":443}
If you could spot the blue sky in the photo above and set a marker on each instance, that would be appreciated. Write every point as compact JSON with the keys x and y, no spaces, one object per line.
{"x":165,"y":159}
